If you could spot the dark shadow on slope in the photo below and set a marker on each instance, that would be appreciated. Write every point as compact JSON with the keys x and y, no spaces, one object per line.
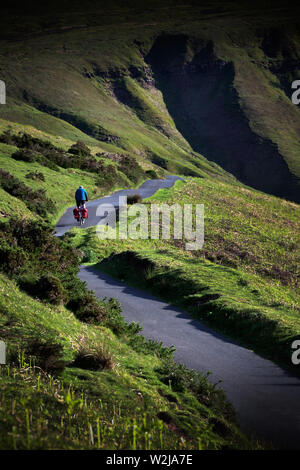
{"x":198,"y":90}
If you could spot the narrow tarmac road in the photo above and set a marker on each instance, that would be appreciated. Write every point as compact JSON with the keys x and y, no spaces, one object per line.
{"x":266,"y":398}
{"x":147,"y":189}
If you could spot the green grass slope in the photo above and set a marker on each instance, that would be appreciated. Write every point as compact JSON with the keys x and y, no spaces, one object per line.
{"x":124,"y":400}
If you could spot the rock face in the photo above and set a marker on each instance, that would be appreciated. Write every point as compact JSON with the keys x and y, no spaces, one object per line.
{"x":200,"y":95}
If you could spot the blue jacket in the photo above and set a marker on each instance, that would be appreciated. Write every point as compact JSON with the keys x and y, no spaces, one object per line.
{"x":81,"y":195}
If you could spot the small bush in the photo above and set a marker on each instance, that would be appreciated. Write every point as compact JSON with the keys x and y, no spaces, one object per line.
{"x":180,"y":378}
{"x":114,"y":319}
{"x":149,"y":346}
{"x":51,"y":289}
{"x":36,"y":201}
{"x":134,"y":199}
{"x":129,"y":166}
{"x":26,"y":155}
{"x":47,"y":354}
{"x":80,"y":149}
{"x":30,"y":156}
{"x":27,"y":141}
{"x":151,"y":174}
{"x":89,"y":256}
{"x":87,"y":308}
{"x":28,"y":283}
{"x":35,"y":175}
{"x":11,"y":257}
{"x":7,"y":137}
{"x":97,"y":358}
{"x":108,"y":176}
{"x":128,"y":264}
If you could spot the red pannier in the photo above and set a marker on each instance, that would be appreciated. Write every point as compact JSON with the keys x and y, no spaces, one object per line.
{"x":76,"y":213}
{"x":84,"y":213}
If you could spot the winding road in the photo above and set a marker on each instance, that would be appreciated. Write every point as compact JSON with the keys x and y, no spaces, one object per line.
{"x":266,"y":397}
{"x":66,"y":222}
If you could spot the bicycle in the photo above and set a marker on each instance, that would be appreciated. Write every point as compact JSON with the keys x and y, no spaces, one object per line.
{"x":81,"y":220}
{"x":78,"y":214}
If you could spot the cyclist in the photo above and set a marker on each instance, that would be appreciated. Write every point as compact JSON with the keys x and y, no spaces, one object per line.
{"x":81,"y":196}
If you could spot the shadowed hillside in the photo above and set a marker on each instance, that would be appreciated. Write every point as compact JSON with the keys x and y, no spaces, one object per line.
{"x":199,"y":92}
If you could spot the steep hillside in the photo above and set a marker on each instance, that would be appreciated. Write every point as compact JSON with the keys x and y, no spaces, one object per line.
{"x":189,"y":81}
